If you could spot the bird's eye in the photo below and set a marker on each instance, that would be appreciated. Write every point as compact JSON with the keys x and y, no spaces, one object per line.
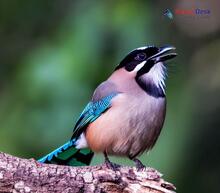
{"x":140,"y":57}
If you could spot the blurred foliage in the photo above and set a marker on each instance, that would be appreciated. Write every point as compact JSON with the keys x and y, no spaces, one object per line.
{"x":53,"y":54}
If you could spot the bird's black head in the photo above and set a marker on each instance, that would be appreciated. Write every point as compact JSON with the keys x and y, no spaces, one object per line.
{"x":143,"y":59}
{"x":146,"y":64}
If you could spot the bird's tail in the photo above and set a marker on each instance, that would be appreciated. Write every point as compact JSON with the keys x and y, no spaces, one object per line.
{"x":67,"y":154}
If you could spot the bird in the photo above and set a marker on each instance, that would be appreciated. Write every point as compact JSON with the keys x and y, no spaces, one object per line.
{"x":125,"y":114}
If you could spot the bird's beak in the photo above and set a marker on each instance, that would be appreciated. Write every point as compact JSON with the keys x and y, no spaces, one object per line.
{"x":163,"y":54}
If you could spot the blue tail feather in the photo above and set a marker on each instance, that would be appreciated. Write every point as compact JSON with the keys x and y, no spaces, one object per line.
{"x":67,"y":154}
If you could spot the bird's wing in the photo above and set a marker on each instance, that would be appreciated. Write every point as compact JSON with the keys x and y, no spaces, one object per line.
{"x":91,"y":112}
{"x":68,"y":154}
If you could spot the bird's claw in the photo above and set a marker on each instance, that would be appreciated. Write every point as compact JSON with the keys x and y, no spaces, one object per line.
{"x":139,"y":165}
{"x":109,"y":164}
{"x":112,"y":166}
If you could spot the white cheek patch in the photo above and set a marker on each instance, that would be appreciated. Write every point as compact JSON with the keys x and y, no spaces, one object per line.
{"x":139,"y":66}
{"x":158,"y":74}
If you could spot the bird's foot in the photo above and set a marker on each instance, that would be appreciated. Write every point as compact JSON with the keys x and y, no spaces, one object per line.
{"x":109,"y":164}
{"x":138,"y":164}
{"x":112,"y":166}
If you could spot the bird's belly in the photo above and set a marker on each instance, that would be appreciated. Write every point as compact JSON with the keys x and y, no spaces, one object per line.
{"x":125,"y":129}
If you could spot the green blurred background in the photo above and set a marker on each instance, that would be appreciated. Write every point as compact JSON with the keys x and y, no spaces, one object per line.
{"x":53,"y":54}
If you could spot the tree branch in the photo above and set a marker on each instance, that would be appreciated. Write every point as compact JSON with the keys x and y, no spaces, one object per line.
{"x":26,"y":176}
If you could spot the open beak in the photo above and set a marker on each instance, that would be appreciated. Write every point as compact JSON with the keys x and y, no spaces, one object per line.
{"x":164,"y":54}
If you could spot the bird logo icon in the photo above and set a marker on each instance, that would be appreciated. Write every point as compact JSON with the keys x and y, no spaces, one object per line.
{"x":168,"y":13}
